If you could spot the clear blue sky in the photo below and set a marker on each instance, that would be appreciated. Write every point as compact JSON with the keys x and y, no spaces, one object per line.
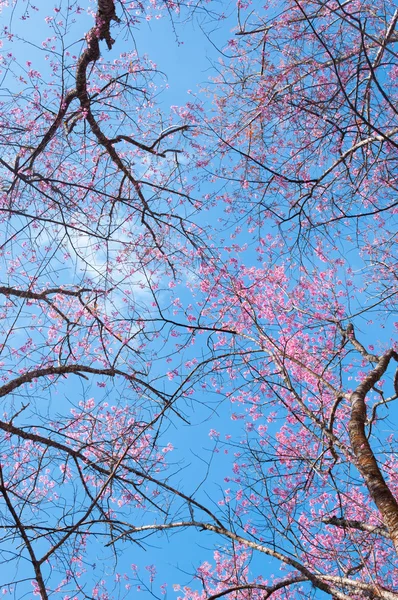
{"x":185,"y":55}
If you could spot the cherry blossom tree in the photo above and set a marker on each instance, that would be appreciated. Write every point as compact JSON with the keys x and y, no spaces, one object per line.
{"x":306,"y":126}
{"x":231,"y":264}
{"x":97,"y":216}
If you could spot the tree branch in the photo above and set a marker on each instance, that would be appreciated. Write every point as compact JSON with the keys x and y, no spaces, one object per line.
{"x":365,"y":459}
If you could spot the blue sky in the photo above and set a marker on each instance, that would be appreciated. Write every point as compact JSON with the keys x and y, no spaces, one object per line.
{"x":187,"y":63}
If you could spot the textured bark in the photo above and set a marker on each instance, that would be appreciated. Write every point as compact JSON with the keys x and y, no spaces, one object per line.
{"x":354,"y":524}
{"x":101,"y":31}
{"x":366,"y":461}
